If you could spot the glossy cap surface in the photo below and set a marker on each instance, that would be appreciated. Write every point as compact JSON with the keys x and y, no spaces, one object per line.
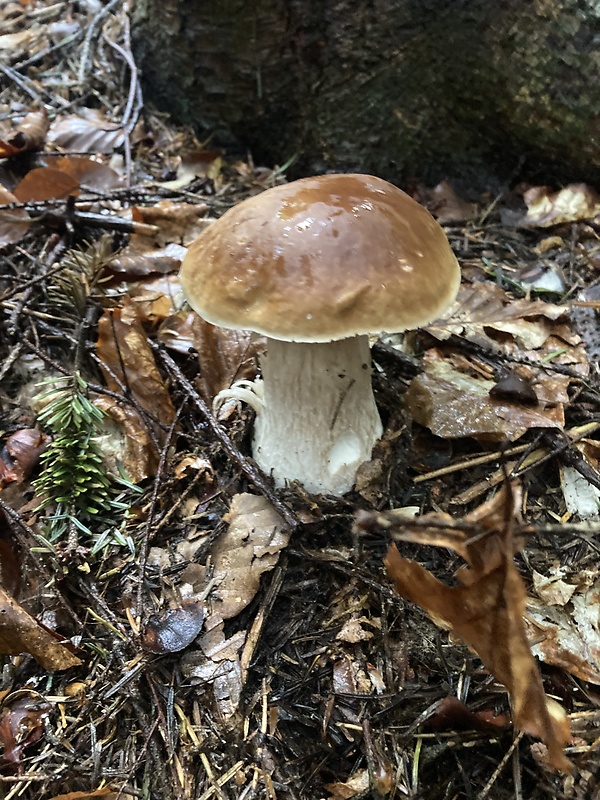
{"x":321,"y":259}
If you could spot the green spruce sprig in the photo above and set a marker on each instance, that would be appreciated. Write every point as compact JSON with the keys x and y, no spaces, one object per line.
{"x":74,"y":482}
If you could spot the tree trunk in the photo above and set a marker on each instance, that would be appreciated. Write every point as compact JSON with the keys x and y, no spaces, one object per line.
{"x":465,"y":89}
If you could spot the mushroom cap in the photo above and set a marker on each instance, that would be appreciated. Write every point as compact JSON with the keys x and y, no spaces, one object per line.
{"x":321,"y":259}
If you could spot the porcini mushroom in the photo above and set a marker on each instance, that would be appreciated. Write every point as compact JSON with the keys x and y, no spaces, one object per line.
{"x":316,"y":266}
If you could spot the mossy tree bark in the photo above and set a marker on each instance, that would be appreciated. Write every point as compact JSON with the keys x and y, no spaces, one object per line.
{"x":432,"y":88}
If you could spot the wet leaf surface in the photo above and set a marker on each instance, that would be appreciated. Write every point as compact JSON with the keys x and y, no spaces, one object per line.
{"x":21,"y":633}
{"x":486,"y":610}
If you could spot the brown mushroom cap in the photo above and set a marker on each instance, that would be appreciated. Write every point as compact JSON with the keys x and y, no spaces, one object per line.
{"x":322,"y":259}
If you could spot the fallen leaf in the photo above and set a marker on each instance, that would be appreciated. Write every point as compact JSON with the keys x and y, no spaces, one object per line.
{"x":14,"y":222}
{"x":157,"y":298}
{"x":21,"y":633}
{"x":357,"y":784}
{"x":563,"y":622}
{"x":484,"y":311}
{"x":88,"y":172}
{"x":250,"y":546}
{"x":106,"y":791}
{"x":10,"y":563}
{"x":452,"y":714}
{"x":20,"y":454}
{"x":86,"y":132}
{"x":124,"y":440}
{"x":571,"y":204}
{"x":217,"y":663}
{"x":29,"y":134}
{"x":21,"y":723}
{"x":447,"y":206}
{"x":126,"y":359}
{"x":454,"y":404}
{"x":45,"y":183}
{"x":196,"y":164}
{"x":486,"y":610}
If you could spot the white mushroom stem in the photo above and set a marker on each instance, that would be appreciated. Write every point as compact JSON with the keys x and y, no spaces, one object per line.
{"x":318,"y":422}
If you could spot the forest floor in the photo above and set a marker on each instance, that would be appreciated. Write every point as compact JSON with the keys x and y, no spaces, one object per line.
{"x":173,"y":627}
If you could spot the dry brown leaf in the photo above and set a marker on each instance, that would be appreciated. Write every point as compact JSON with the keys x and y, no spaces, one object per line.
{"x":175,"y":628}
{"x":357,"y":784}
{"x":546,"y":208}
{"x":564,"y":623}
{"x":196,"y":164}
{"x":486,"y":611}
{"x":21,"y":723}
{"x":126,"y":359}
{"x":88,"y":172}
{"x":217,"y":662}
{"x":125,"y":440}
{"x":15,"y":222}
{"x":452,"y":714}
{"x":250,"y":546}
{"x":176,"y":222}
{"x":157,"y":298}
{"x":30,"y":134}
{"x":453,"y":404}
{"x":86,"y":132}
{"x":21,"y":633}
{"x":447,"y":206}
{"x":106,"y":792}
{"x":45,"y":183}
{"x":483,"y":312}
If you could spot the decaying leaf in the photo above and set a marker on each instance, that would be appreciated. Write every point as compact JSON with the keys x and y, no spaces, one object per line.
{"x":564,"y":623}
{"x":126,"y":359}
{"x":14,"y":222}
{"x":486,"y":315}
{"x":357,"y":784}
{"x":21,"y":723}
{"x":486,"y":609}
{"x":196,"y":164}
{"x":452,"y":714}
{"x":124,"y":440}
{"x":105,"y":791}
{"x":452,"y":404}
{"x":21,"y":633}
{"x":249,"y":547}
{"x":88,"y":172}
{"x":20,"y":454}
{"x":157,"y":298}
{"x":45,"y":183}
{"x":29,"y":134}
{"x":86,"y":132}
{"x":447,"y":206}
{"x":217,"y":662}
{"x":171,"y":226}
{"x":546,"y":208}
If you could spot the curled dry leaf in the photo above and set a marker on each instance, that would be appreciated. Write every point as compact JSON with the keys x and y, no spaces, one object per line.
{"x":14,"y":222}
{"x":21,"y":633}
{"x":157,"y":298}
{"x":21,"y":723}
{"x":196,"y":164}
{"x":105,"y":791}
{"x":447,"y":206}
{"x":86,"y":132}
{"x":45,"y":183}
{"x":126,"y":359}
{"x":486,"y":609}
{"x":20,"y":454}
{"x":571,"y":204}
{"x":486,"y":315}
{"x":30,"y":134}
{"x":124,"y":440}
{"x":171,"y":226}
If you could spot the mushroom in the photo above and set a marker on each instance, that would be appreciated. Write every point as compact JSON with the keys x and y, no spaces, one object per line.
{"x":316,"y":266}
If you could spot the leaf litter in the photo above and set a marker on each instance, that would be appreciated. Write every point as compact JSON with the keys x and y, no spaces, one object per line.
{"x":224,"y":658}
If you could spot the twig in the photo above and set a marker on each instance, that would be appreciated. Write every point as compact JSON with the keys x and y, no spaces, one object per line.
{"x":250,"y":471}
{"x":90,"y":33}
